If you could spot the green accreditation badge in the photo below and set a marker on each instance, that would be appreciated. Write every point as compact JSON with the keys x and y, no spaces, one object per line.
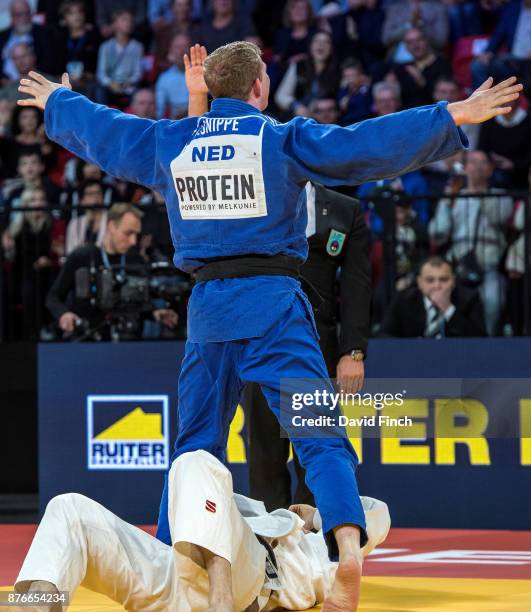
{"x":335,"y":243}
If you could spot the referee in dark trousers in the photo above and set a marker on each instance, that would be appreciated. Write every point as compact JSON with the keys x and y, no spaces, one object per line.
{"x":337,"y":280}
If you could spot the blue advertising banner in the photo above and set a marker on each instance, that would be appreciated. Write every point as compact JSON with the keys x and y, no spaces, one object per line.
{"x":108,"y":420}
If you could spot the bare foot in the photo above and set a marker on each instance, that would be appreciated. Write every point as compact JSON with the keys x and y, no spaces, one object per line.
{"x":345,"y":593}
{"x":224,"y":604}
{"x":40,"y":586}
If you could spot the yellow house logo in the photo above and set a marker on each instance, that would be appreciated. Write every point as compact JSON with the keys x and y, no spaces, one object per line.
{"x":127,"y":432}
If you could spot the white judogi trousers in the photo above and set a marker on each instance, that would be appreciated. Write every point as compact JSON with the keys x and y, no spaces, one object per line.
{"x":79,"y":542}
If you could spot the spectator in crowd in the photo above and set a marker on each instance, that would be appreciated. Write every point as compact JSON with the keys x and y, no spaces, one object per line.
{"x":24,"y":59}
{"x":404,"y":15}
{"x":355,"y":101}
{"x":309,"y":79}
{"x":435,"y":307}
{"x":87,"y":228}
{"x":181,"y":24}
{"x":160,"y":14}
{"x":507,"y":140}
{"x":143,"y":103}
{"x":324,"y":110}
{"x":515,"y":265}
{"x":31,"y":175}
{"x":293,"y":40}
{"x":471,"y":229}
{"x":409,"y":247}
{"x":464,"y":18}
{"x":171,"y":91}
{"x":77,"y":172}
{"x":33,"y":242}
{"x":386,"y":98}
{"x":119,"y":61}
{"x":78,"y":42}
{"x":513,"y":32}
{"x":225,"y":26}
{"x":417,"y":77}
{"x":27,"y":129}
{"x":122,"y":228}
{"x":358,"y":32}
{"x":23,"y":30}
{"x":106,"y":10}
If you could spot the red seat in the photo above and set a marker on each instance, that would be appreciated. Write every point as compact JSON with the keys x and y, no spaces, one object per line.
{"x":465,"y":50}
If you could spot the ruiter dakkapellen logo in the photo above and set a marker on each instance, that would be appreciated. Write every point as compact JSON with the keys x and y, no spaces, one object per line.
{"x":127,"y":432}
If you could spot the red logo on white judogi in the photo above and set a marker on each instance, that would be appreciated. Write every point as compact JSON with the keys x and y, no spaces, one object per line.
{"x":210,"y":506}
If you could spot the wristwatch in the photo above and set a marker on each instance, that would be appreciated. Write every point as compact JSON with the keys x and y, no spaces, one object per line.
{"x":357,"y":355}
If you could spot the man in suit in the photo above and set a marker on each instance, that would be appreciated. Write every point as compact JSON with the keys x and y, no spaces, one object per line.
{"x":435,"y":308}
{"x":338,"y":242}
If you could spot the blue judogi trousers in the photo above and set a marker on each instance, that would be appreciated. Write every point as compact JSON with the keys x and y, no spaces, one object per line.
{"x":211,"y":380}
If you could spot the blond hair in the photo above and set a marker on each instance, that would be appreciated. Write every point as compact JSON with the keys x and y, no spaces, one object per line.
{"x":231,"y":70}
{"x":117,"y":212}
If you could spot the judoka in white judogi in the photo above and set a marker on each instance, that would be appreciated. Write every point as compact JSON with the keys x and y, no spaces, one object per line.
{"x":79,"y":542}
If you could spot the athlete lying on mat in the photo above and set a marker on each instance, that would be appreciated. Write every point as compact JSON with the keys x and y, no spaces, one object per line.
{"x":276,"y":561}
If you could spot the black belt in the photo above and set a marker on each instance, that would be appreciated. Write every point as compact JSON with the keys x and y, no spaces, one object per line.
{"x":249,"y":265}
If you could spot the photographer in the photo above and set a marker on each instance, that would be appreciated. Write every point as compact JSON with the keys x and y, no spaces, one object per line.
{"x":122,"y":230}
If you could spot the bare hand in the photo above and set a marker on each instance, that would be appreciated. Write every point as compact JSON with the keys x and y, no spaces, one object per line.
{"x":350,"y":374}
{"x":166,"y":316}
{"x":194,"y":71}
{"x":40,"y":88}
{"x":68,"y":321}
{"x":486,"y":102}
{"x":442,"y":298}
{"x":8,"y":242}
{"x":504,"y":163}
{"x":306,"y":513}
{"x":42,"y":262}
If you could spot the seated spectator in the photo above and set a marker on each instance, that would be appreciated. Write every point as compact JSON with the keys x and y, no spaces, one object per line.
{"x":464,"y":18}
{"x":355,"y":101}
{"x":515,"y":265}
{"x":143,"y":103}
{"x":24,"y":31}
{"x":309,"y":79}
{"x":78,"y":46}
{"x":435,"y":307}
{"x":506,"y":139}
{"x":410,"y":248}
{"x":159,"y":14}
{"x":87,"y":228}
{"x":358,"y":32}
{"x":155,"y":241}
{"x":106,"y":9}
{"x":411,"y":184}
{"x":181,"y":24}
{"x":404,"y":15}
{"x":417,"y":77}
{"x":471,"y":229}
{"x":34,"y":243}
{"x":77,"y":172}
{"x":386,"y":98}
{"x":25,"y":60}
{"x":324,"y":110}
{"x":513,"y":32}
{"x":293,"y":40}
{"x":119,"y":61}
{"x":225,"y":26}
{"x":170,"y":88}
{"x":27,"y":129}
{"x":31,"y":175}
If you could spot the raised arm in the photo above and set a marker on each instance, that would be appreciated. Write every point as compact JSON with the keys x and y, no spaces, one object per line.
{"x":195,"y":82}
{"x":122,"y":145}
{"x":394,"y":144}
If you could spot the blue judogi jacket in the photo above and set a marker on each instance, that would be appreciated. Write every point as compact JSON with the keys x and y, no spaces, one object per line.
{"x":232,"y":178}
